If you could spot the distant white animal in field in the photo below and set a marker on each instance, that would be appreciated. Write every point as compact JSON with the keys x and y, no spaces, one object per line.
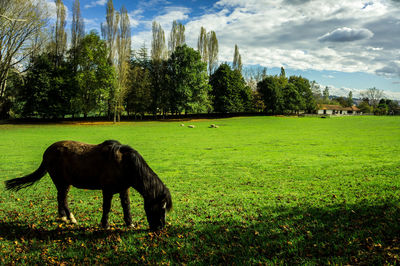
{"x":182,"y":125}
{"x":214,"y":126}
{"x":191,"y":126}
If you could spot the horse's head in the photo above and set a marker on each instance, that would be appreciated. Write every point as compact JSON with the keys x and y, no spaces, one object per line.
{"x":156,"y":211}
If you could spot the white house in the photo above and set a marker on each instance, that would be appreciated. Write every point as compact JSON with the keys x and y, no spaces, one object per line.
{"x":328,"y":109}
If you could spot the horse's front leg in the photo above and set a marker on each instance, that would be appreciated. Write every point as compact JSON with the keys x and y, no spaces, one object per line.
{"x":126,"y":206}
{"x":107,"y":197}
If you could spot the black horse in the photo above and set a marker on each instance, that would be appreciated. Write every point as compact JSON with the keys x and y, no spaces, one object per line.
{"x":109,"y":166}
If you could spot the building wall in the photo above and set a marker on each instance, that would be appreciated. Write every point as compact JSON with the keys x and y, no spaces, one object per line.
{"x":332,"y":112}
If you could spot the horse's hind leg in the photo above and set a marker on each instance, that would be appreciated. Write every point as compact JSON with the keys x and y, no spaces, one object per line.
{"x":126,"y":206}
{"x":107,"y":198}
{"x":63,"y":210}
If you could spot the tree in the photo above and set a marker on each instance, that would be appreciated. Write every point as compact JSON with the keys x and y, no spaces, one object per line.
{"x":109,"y":30}
{"x":158,"y":55}
{"x":364,"y":106}
{"x":349,"y":101}
{"x":77,"y":28}
{"x":325,"y":95}
{"x":45,"y":92}
{"x":176,"y":37}
{"x":139,"y":81}
{"x":229,"y":91}
{"x":270,"y":90}
{"x":95,"y":75}
{"x":303,"y":87}
{"x":123,"y":45}
{"x":237,"y":59}
{"x":283,"y":73}
{"x":374,"y":95}
{"x":316,"y":90}
{"x":21,"y":27}
{"x":187,"y":81}
{"x":158,"y":48}
{"x":59,"y":35}
{"x":292,"y":99}
{"x":202,"y":45}
{"x":393,"y":107}
{"x":382,"y":108}
{"x":212,"y":42}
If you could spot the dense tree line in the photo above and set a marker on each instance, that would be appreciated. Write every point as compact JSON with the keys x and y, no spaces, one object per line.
{"x":101,"y":76}
{"x":282,"y":95}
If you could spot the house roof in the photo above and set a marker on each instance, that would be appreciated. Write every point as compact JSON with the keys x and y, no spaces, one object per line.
{"x":337,"y":107}
{"x":329,"y":107}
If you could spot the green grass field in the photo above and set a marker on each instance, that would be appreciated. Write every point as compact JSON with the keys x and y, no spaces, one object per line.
{"x":255,"y":190}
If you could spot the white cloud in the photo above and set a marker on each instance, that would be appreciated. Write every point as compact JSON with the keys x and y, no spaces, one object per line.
{"x":172,"y":13}
{"x":96,"y":3}
{"x":346,"y":35}
{"x":135,"y":17}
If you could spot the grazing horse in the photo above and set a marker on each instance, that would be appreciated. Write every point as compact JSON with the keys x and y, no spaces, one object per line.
{"x":109,"y":166}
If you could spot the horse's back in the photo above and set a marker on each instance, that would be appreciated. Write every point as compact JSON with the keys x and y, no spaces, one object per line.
{"x":80,"y":164}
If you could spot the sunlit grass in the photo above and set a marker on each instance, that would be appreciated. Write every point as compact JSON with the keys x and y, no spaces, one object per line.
{"x":263,"y":189}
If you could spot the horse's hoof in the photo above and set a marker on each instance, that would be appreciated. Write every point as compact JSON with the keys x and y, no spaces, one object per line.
{"x":105,"y":226}
{"x":72,"y":219}
{"x":64,"y":219}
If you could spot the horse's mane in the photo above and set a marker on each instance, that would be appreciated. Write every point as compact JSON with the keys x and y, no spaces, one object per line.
{"x":146,"y":181}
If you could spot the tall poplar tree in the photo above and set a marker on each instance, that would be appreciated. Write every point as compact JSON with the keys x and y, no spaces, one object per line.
{"x":123,"y":45}
{"x":159,"y":53}
{"x":202,"y":45}
{"x":109,"y":31}
{"x":60,"y":36}
{"x":77,"y":27}
{"x":212,"y":42}
{"x":158,"y":47}
{"x":176,"y":36}
{"x":237,"y":59}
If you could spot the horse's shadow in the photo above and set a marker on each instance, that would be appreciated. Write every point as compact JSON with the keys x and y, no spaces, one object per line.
{"x":16,"y":230}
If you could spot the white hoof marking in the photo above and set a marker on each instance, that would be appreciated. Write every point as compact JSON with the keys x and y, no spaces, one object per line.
{"x":72,"y":218}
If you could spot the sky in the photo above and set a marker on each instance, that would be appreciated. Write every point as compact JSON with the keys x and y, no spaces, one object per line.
{"x":347,"y":45}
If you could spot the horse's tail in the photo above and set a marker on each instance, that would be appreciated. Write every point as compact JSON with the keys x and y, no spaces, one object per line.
{"x":26,"y":181}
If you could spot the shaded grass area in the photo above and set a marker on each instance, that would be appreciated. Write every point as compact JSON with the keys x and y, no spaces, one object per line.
{"x":265,"y":189}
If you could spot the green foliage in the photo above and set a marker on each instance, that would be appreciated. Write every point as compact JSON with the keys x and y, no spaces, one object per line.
{"x":260,"y":190}
{"x":46,"y":91}
{"x":292,"y":100}
{"x":350,"y":101}
{"x":9,"y":104}
{"x":303,"y":86}
{"x":364,"y":107}
{"x":229,"y":91}
{"x":138,"y":98}
{"x":282,"y":95}
{"x":382,"y":108}
{"x":187,"y":81}
{"x":325,"y":95}
{"x":95,"y":75}
{"x":270,"y":89}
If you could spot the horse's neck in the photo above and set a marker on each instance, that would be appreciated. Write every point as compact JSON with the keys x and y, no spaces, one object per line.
{"x":149,"y":191}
